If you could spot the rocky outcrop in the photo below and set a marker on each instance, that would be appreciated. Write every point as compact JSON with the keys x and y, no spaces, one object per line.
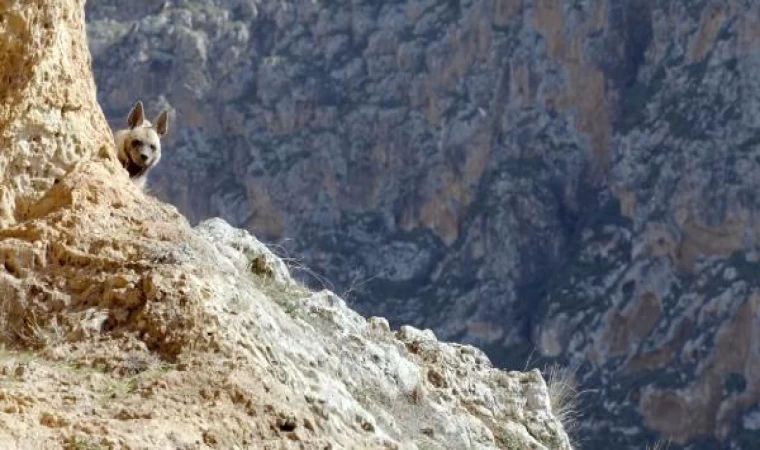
{"x":46,"y":105}
{"x":125,"y":327}
{"x":574,"y":177}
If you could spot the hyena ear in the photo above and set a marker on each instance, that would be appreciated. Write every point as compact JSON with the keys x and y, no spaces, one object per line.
{"x":136,"y":115}
{"x":162,"y":123}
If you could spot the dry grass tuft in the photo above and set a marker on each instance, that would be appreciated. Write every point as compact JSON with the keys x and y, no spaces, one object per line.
{"x":659,"y":445}
{"x":564,"y":397}
{"x":37,"y":336}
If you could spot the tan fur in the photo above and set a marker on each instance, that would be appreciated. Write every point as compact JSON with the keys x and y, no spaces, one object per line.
{"x":139,"y":146}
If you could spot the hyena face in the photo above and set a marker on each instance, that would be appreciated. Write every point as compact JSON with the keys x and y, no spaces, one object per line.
{"x":140,"y":145}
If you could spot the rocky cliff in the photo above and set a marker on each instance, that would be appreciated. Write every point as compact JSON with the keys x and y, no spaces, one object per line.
{"x":578,"y":177}
{"x":125,"y":327}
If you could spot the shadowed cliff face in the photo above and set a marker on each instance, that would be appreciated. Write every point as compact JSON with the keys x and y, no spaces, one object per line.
{"x":575,"y":177}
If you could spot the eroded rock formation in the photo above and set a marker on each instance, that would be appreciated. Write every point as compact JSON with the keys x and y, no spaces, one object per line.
{"x":574,"y":177}
{"x":124,"y":327}
{"x":47,"y":106}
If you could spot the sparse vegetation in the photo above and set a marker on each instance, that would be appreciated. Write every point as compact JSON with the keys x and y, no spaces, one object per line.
{"x":38,"y":336}
{"x":120,"y":386}
{"x":508,"y":441}
{"x":295,"y":266}
{"x":356,"y":285}
{"x":82,"y":443}
{"x":21,"y":357}
{"x":427,"y":445}
{"x":659,"y":445}
{"x":29,"y":333}
{"x":565,"y":399}
{"x":286,"y":295}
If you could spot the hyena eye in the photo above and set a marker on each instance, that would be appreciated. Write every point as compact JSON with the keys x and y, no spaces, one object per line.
{"x":136,"y":143}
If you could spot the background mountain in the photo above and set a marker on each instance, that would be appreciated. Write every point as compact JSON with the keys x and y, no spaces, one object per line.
{"x":578,"y":178}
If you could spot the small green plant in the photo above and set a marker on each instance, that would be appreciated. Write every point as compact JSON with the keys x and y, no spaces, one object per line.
{"x":82,"y":443}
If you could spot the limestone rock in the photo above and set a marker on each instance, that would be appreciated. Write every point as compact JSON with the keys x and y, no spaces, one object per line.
{"x":50,"y":117}
{"x":125,"y":327}
{"x":570,"y":179}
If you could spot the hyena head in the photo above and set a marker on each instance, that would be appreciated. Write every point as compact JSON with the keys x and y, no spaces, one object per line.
{"x":141,"y":143}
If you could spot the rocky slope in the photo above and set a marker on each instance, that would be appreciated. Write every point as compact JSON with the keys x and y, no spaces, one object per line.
{"x":124,"y":327}
{"x":577,"y":177}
